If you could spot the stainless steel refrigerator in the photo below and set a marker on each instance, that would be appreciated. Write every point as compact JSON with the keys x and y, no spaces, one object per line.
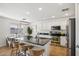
{"x":71,"y":36}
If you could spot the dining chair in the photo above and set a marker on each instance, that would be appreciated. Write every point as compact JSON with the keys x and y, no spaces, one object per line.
{"x":14,"y":48}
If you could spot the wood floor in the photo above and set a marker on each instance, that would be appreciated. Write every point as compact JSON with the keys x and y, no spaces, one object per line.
{"x":5,"y":51}
{"x":53,"y":51}
{"x":58,"y":51}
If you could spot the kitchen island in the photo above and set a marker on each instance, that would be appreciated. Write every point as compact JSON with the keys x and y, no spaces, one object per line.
{"x":43,"y":43}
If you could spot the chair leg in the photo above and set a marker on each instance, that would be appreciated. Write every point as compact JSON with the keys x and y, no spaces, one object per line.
{"x":16,"y":51}
{"x":11,"y":52}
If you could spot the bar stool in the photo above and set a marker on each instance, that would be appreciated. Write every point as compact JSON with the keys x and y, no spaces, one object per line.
{"x":24,"y":49}
{"x":21,"y":46}
{"x":27,"y":49}
{"x":37,"y":52}
{"x":21,"y":49}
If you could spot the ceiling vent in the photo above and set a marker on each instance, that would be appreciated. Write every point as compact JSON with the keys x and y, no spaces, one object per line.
{"x":65,"y":9}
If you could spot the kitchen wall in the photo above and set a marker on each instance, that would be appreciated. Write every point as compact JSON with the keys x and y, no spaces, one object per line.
{"x":45,"y":26}
{"x":5,"y":24}
{"x":38,"y":26}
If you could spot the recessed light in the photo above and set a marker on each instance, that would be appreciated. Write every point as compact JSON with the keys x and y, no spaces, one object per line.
{"x":28,"y":13}
{"x":66,"y":14}
{"x":39,"y":9}
{"x":53,"y":16}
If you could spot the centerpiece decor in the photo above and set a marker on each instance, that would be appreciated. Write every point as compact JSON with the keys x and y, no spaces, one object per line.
{"x":29,"y":31}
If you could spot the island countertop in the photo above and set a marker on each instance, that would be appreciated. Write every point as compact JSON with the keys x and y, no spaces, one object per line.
{"x":41,"y":42}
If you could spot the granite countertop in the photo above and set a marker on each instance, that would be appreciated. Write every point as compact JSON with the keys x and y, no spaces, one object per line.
{"x":41,"y":42}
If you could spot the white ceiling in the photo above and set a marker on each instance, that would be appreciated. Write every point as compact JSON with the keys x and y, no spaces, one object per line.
{"x":30,"y":11}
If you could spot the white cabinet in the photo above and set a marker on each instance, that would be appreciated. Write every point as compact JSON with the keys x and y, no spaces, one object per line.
{"x":77,"y":51}
{"x":63,"y":41}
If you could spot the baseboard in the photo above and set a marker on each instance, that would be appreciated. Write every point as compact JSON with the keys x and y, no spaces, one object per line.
{"x":2,"y":45}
